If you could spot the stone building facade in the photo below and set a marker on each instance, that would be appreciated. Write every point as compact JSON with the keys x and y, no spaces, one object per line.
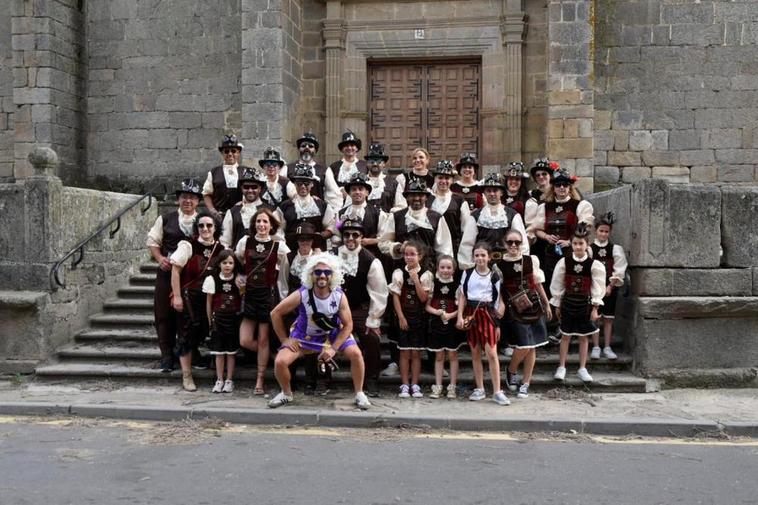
{"x":132,"y":92}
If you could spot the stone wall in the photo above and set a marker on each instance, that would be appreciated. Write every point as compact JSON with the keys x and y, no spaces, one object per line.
{"x":676,"y":91}
{"x":164,"y":86}
{"x":6,"y":97}
{"x":49,"y":70}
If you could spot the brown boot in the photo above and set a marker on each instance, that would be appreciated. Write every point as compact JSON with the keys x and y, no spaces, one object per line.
{"x":187,"y":383}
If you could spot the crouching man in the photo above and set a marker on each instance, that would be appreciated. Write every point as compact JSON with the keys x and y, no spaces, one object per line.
{"x":323,"y":325}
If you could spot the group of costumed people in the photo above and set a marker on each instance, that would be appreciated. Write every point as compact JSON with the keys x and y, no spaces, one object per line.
{"x":310,"y":260}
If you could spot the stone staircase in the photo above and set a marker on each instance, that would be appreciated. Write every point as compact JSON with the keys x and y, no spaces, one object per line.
{"x":121,"y":346}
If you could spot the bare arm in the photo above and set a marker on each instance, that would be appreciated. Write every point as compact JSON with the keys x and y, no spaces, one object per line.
{"x":277,"y":315}
{"x":346,"y":318}
{"x":176,"y":289}
{"x":208,"y":307}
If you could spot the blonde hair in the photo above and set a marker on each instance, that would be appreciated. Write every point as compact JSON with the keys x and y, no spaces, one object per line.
{"x":426,"y":153}
{"x":549,"y":195}
{"x":332,"y":261}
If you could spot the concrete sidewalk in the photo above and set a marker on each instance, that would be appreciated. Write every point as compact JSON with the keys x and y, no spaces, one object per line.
{"x":679,"y":412}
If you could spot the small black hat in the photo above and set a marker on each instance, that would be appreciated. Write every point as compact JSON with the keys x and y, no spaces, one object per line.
{"x":303,"y":172}
{"x":251,"y":175}
{"x":349,"y":138}
{"x":308,"y":136}
{"x":544,"y":165}
{"x":376,"y":152}
{"x":467,"y":159}
{"x":562,"y":175}
{"x":190,"y":186}
{"x":305,"y":230}
{"x":607,"y":219}
{"x":516,"y":169}
{"x":416,"y":187}
{"x":444,"y":167}
{"x":582,"y":230}
{"x":271,"y":154}
{"x":358,"y":179}
{"x":352,"y":224}
{"x":492,"y":181}
{"x":230,"y":141}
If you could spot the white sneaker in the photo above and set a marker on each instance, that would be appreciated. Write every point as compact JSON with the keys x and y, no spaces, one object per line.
{"x":523,"y":391}
{"x":361,"y":400}
{"x":477,"y":395}
{"x":218,"y":386}
{"x":595,"y":354}
{"x":279,"y":400}
{"x":416,"y":391}
{"x":508,"y":352}
{"x":436,"y":391}
{"x":390,"y":371}
{"x":404,"y":391}
{"x":228,"y":386}
{"x":500,"y":398}
{"x":608,"y":353}
{"x":584,"y":375}
{"x":560,"y":373}
{"x":452,"y":394}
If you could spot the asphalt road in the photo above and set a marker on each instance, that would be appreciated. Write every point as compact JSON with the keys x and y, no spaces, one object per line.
{"x":81,"y":461}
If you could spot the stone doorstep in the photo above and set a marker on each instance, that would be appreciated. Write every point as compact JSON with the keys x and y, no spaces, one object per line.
{"x":691,"y":281}
{"x":681,"y":307}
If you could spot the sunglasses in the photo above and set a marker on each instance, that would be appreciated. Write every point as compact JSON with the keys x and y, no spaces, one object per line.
{"x":351,"y":234}
{"x":542,"y":174}
{"x":374,"y":162}
{"x":512,"y":242}
{"x":229,"y":151}
{"x":561,"y":185}
{"x":205,"y":225}
{"x":307,"y":145}
{"x":246,"y":187}
{"x":318,"y":272}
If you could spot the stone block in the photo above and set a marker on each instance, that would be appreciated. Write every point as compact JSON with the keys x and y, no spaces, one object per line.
{"x":721,"y":138}
{"x":601,"y":158}
{"x":696,"y":35}
{"x":570,"y":148}
{"x":703,"y":174}
{"x":659,"y":158}
{"x":674,"y":175}
{"x":640,"y":140}
{"x":620,"y":140}
{"x":184,"y":120}
{"x":633,"y":174}
{"x":668,"y":218}
{"x":684,"y":139}
{"x":735,"y":173}
{"x":737,"y":156}
{"x":555,"y":128}
{"x":602,"y":120}
{"x":739,"y":236}
{"x":755,"y":280}
{"x":696,"y":157}
{"x":607,"y":175}
{"x":692,"y":281}
{"x":571,"y":128}
{"x":624,"y":158}
{"x":603,"y":140}
{"x":626,"y":120}
{"x":569,"y":97}
{"x":660,"y":140}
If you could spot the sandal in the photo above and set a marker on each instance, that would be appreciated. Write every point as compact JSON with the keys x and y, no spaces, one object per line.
{"x":259,"y":391}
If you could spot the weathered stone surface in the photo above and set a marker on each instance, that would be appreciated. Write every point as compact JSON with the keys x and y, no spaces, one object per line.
{"x":617,"y":201}
{"x":692,"y":282}
{"x":739,"y":225}
{"x":607,"y":175}
{"x":676,"y":175}
{"x":634,"y":174}
{"x":669,"y":220}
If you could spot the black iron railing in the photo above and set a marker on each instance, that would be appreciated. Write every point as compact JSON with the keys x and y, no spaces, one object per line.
{"x":77,"y":252}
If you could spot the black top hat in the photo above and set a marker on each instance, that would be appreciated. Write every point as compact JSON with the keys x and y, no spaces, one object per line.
{"x":349,"y":138}
{"x":416,"y":187}
{"x":305,"y":230}
{"x":493,"y":181}
{"x":271,"y":154}
{"x":607,"y":219}
{"x":582,"y":230}
{"x":308,"y":136}
{"x":516,"y":169}
{"x":467,"y":159}
{"x":251,"y":175}
{"x":444,"y":167}
{"x":358,"y":179}
{"x":562,"y":175}
{"x":303,"y":172}
{"x":544,"y":165}
{"x":352,"y":224}
{"x":190,"y":186}
{"x":376,"y":152}
{"x":230,"y":141}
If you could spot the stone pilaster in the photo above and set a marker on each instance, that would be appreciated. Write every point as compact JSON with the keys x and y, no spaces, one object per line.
{"x":569,"y":94}
{"x":513,"y":28}
{"x":335,"y":34}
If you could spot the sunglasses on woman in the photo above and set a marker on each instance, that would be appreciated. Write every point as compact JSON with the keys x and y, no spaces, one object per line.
{"x":205,"y":225}
{"x":352,"y":234}
{"x":512,"y":242}
{"x":561,"y":185}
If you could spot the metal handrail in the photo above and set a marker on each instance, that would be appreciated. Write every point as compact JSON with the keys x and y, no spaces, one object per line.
{"x":77,"y":253}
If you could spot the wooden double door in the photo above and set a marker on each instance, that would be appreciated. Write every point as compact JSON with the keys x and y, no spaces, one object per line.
{"x":433,"y":105}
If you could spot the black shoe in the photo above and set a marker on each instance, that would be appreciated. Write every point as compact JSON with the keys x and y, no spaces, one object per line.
{"x":510,"y":380}
{"x":372,"y":388}
{"x":310,"y":389}
{"x":554,"y":338}
{"x":167,"y":365}
{"x":202,"y":363}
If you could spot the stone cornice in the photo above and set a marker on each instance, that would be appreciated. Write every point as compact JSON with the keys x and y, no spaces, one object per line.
{"x":513,"y":27}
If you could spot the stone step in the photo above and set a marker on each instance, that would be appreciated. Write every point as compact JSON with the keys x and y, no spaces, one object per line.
{"x":604,"y":382}
{"x":119,"y":321}
{"x":144,"y":337}
{"x":149,"y":267}
{"x":142,"y":279}
{"x":132,"y":305}
{"x":142,"y":292}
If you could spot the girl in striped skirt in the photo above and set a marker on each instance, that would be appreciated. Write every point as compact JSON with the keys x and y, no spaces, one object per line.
{"x":479,"y":305}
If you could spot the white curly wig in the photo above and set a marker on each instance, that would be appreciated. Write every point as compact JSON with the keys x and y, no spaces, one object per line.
{"x":334,"y":263}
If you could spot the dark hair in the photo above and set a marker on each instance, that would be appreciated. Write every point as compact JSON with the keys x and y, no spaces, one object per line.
{"x":482,"y":245}
{"x":271,"y":219}
{"x":446,"y":257}
{"x":226,"y":253}
{"x":420,"y":247}
{"x":523,"y":194}
{"x":216,"y":225}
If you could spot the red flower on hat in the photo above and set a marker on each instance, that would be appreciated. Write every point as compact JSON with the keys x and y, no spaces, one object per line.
{"x":574,"y":179}
{"x":553,"y":165}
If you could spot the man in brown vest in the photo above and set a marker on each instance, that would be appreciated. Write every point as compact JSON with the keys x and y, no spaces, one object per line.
{"x":221,"y":190}
{"x":237,"y":219}
{"x":307,"y":146}
{"x":162,"y":240}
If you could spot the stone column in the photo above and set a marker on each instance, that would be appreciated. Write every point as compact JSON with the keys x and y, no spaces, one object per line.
{"x":335,"y":34}
{"x":513,"y":29}
{"x":570,"y":95}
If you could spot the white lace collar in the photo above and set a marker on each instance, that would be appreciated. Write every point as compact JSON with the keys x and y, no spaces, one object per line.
{"x":508,"y":257}
{"x":210,"y":242}
{"x":441,"y":203}
{"x":355,"y":211}
{"x":306,"y":207}
{"x":349,"y":260}
{"x":600,"y":244}
{"x":254,"y":204}
{"x":275,"y":189}
{"x":493,"y":217}
{"x":563,"y":200}
{"x":377,"y":186}
{"x":186,"y":222}
{"x":582,"y":258}
{"x":221,"y":276}
{"x":347,"y":170}
{"x":450,"y":279}
{"x":415,"y":219}
{"x":260,"y":238}
{"x":231,"y":169}
{"x":299,"y":262}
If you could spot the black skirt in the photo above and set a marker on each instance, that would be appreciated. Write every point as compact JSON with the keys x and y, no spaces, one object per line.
{"x":444,"y":337}
{"x":192,"y":323}
{"x":258,"y":303}
{"x":225,"y":333}
{"x":608,"y":309}
{"x":524,"y":336}
{"x":415,"y":337}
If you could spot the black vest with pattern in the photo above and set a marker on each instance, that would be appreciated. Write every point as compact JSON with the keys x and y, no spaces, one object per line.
{"x":493,"y":236}
{"x":172,"y":234}
{"x":223,"y":197}
{"x":355,"y":286}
